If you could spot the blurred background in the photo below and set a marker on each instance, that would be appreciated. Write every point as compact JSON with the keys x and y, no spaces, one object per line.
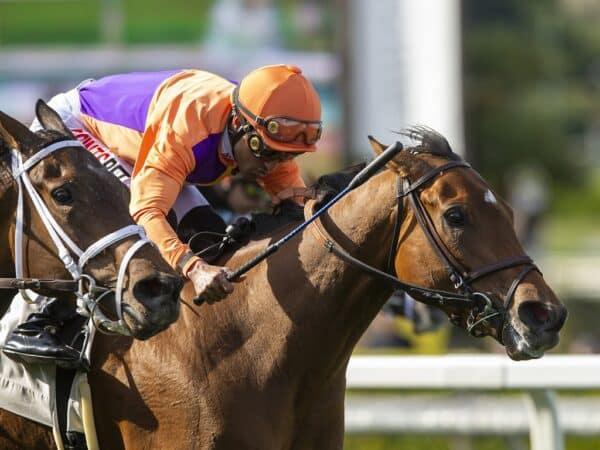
{"x":514,"y":85}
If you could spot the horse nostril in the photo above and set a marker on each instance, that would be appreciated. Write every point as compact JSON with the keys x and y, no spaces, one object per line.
{"x":158,"y":286}
{"x":560,"y":316}
{"x":545,"y":316}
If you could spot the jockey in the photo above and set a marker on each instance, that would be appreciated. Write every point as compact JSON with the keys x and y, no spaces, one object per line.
{"x":164,"y":131}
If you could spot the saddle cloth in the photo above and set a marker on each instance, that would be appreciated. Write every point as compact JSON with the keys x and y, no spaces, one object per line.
{"x":29,"y":390}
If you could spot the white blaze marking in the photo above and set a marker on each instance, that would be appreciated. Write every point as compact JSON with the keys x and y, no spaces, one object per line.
{"x":489,"y":197}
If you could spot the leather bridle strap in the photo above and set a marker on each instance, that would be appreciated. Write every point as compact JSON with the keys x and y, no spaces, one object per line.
{"x":515,"y":284}
{"x":455,"y":270}
{"x":434,"y":173}
{"x":458,"y":274}
{"x":431,"y":297}
{"x":407,"y":189}
{"x":34,"y":283}
{"x":397,"y":225}
{"x":500,"y":265}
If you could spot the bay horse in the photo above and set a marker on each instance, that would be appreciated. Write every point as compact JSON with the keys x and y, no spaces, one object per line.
{"x":265,"y":368}
{"x":84,"y":208}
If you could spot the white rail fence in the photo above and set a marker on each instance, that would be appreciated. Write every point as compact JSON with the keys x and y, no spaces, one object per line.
{"x":475,"y":410}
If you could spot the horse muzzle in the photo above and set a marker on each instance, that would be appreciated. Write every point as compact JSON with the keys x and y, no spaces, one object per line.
{"x":529,"y":340}
{"x":154,"y":305}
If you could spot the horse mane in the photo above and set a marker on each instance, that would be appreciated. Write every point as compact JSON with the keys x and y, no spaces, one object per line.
{"x":428,"y":141}
{"x":325,"y":188}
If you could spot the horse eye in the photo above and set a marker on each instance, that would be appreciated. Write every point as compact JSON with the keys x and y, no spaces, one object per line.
{"x":455,"y":216}
{"x":62,"y":195}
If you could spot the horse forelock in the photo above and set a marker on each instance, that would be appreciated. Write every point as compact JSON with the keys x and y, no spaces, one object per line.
{"x":428,"y":141}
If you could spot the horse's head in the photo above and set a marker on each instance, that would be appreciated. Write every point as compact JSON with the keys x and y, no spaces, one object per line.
{"x":88,"y":204}
{"x":463,"y":237}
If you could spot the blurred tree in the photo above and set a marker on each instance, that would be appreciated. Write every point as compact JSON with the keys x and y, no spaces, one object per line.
{"x":308,"y":25}
{"x":531,"y":86}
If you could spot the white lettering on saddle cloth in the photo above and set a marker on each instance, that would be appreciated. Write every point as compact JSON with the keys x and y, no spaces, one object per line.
{"x":28,"y":390}
{"x":109,"y":160}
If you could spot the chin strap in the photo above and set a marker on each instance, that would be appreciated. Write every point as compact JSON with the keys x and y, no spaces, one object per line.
{"x":235,"y":134}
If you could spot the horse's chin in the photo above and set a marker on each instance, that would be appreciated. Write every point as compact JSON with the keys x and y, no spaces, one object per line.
{"x":142,"y":327}
{"x":517,"y":347}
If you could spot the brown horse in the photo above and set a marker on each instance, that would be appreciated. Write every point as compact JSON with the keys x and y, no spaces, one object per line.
{"x":87,"y":204}
{"x":265,"y":369}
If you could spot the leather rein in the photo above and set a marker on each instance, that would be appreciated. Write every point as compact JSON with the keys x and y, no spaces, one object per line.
{"x":481,"y":308}
{"x":83,"y":285}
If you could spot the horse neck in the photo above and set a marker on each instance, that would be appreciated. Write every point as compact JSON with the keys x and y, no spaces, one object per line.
{"x":362,"y":224}
{"x":361,"y":221}
{"x":303,"y":308}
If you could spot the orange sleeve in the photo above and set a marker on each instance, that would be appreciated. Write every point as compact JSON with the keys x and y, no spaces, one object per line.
{"x":185,"y":110}
{"x":158,"y":181}
{"x":153,"y":193}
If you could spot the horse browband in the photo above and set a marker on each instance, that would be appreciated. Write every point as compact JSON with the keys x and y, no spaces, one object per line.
{"x":460,"y":277}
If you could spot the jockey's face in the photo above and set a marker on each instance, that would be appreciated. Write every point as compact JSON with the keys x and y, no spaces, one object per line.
{"x":252,"y":166}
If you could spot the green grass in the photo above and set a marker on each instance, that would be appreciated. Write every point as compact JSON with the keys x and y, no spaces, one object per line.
{"x":561,"y":234}
{"x":571,"y":225}
{"x":579,"y":201}
{"x":414,"y":442}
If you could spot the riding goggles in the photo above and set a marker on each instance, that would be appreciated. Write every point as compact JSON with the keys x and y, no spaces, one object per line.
{"x":283,"y":128}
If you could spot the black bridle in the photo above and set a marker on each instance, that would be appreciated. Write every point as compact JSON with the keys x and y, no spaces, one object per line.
{"x":481,"y":308}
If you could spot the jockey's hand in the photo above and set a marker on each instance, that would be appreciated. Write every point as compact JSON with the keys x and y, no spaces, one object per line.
{"x":210,"y":282}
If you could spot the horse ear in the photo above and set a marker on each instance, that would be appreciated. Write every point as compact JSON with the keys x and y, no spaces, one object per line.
{"x":378,"y":148}
{"x":6,"y":140}
{"x":15,"y":134}
{"x":49,"y":119}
